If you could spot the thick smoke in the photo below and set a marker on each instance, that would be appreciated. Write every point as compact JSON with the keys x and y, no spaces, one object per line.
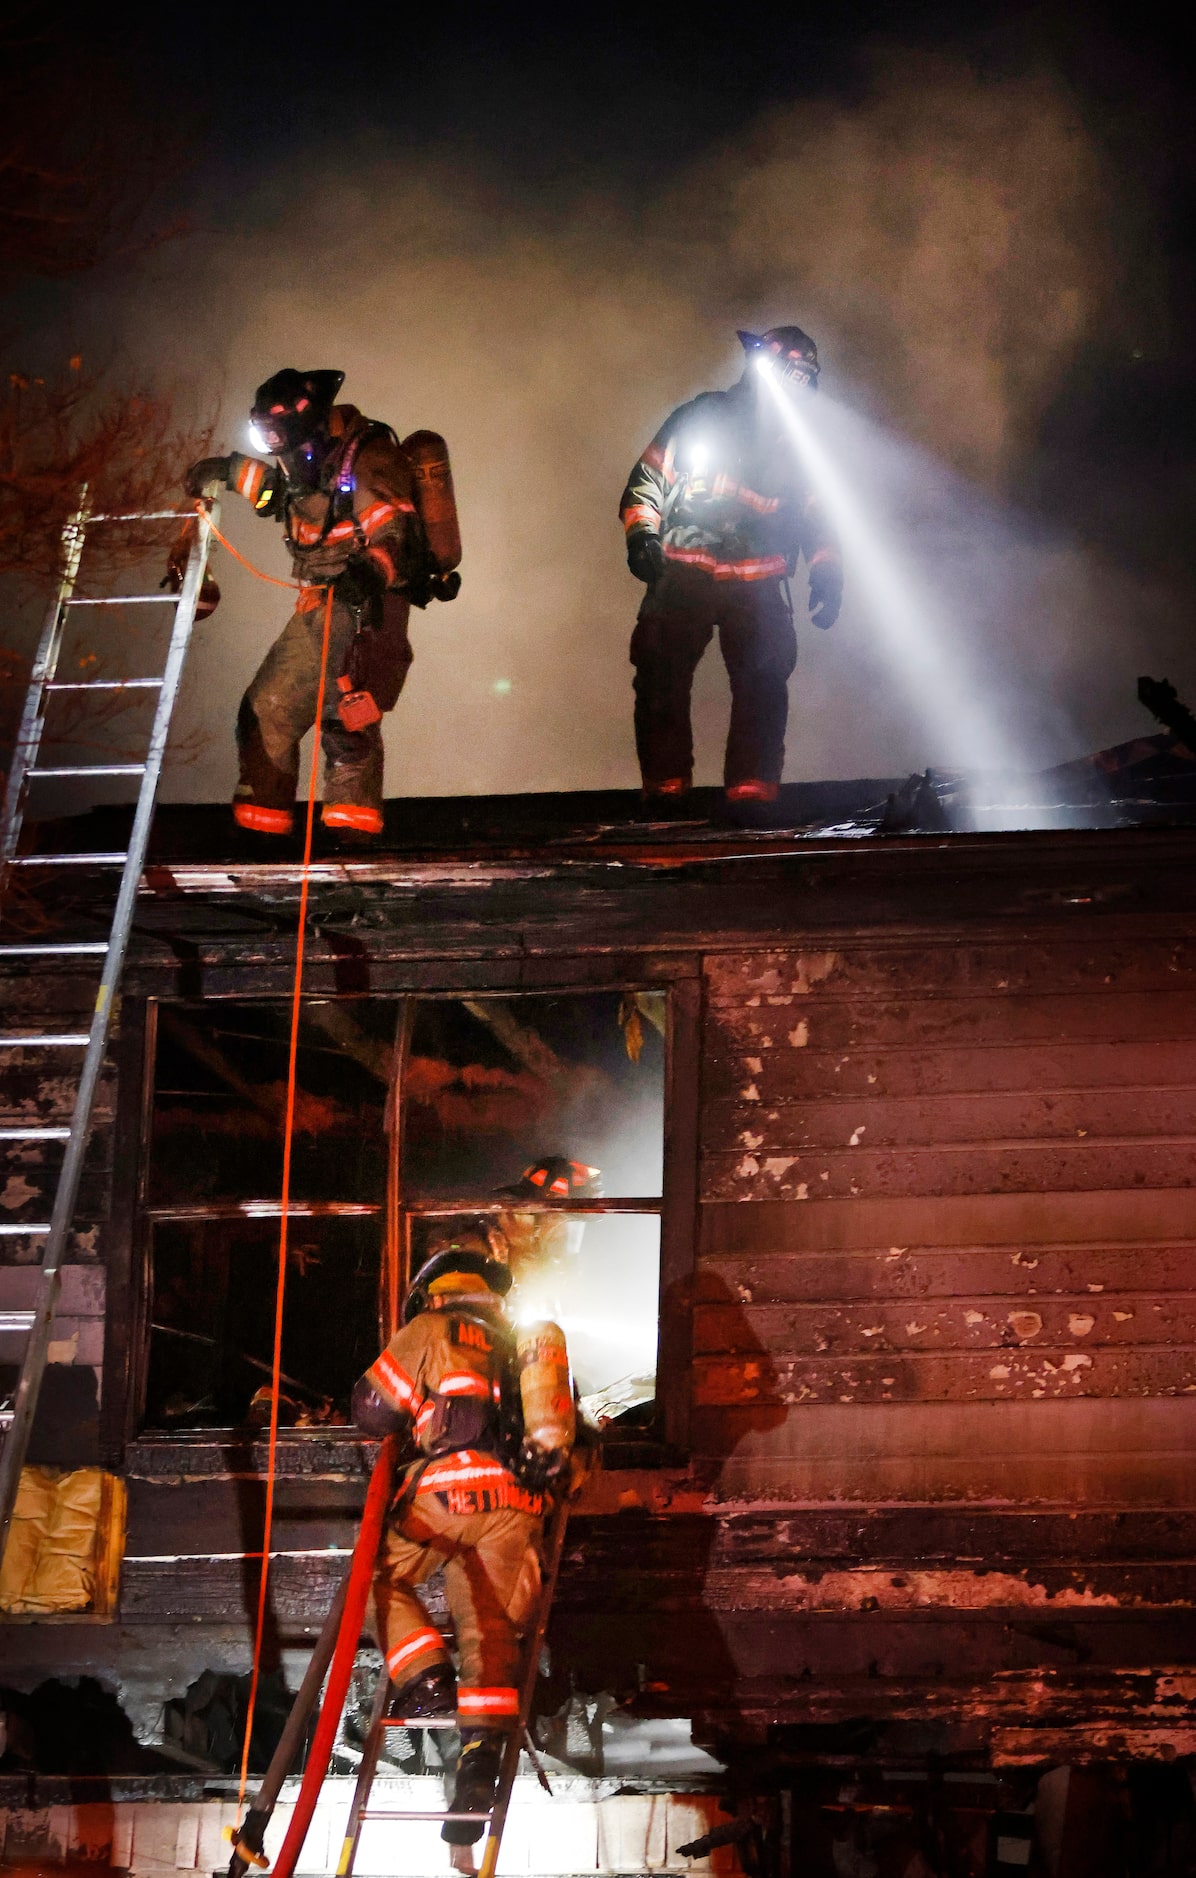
{"x":954,"y":244}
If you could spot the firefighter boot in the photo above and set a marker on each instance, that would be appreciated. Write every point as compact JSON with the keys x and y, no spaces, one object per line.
{"x":754,"y":804}
{"x":432,"y":1693}
{"x":473,"y":1789}
{"x":263,"y":797}
{"x":353,"y":782}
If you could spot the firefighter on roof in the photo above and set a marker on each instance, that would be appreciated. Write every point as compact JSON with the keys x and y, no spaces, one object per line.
{"x":373,"y":519}
{"x":717,"y":514}
{"x":473,"y":1501}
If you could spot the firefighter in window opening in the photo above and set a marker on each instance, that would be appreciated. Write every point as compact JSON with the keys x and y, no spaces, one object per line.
{"x":491,"y":1413}
{"x":716,"y":514}
{"x":543,"y":1248}
{"x":375,"y":519}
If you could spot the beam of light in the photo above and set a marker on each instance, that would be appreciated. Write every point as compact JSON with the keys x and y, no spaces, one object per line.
{"x":920,"y":646}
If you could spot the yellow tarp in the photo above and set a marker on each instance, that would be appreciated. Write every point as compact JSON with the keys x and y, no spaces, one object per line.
{"x":58,"y":1544}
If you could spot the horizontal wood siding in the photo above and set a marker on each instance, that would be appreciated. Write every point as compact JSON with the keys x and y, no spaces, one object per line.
{"x":948,"y":1242}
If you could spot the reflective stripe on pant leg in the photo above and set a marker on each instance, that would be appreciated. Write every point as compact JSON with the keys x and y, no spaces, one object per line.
{"x":492,"y":1583}
{"x":415,"y":1653}
{"x":408,"y":1642}
{"x":759,"y":648}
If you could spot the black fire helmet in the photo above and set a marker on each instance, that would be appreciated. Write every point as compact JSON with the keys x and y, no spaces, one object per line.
{"x":555,"y":1177}
{"x":291,"y":406}
{"x":463,"y":1254}
{"x":791,"y":353}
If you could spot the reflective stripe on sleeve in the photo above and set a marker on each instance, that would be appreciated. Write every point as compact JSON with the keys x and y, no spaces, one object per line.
{"x":641,"y":516}
{"x":394,"y":1385}
{"x":250,"y":478}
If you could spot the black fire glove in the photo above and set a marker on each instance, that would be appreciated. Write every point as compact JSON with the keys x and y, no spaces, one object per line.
{"x":371,"y":1414}
{"x":209,"y":469}
{"x":645,"y":558}
{"x":361,"y":583}
{"x":826,"y":594}
{"x":208,"y":598}
{"x":542,"y":1472}
{"x":422,"y":588}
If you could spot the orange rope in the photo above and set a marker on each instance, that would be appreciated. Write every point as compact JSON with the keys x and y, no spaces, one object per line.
{"x":271,"y":579}
{"x":287,"y":1140}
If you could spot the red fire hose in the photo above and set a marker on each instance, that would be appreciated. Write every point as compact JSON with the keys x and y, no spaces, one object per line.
{"x":361,"y":1572}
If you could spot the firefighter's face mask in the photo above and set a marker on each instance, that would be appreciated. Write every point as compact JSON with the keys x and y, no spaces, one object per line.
{"x":281,"y":431}
{"x":289,"y":410}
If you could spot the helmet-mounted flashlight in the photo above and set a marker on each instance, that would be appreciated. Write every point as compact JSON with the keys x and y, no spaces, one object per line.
{"x":786,"y":353}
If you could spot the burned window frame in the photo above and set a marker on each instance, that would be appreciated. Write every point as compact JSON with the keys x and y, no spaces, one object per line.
{"x":133,"y":1218}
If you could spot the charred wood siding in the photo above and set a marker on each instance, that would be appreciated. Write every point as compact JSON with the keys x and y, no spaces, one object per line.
{"x":948,"y":1221}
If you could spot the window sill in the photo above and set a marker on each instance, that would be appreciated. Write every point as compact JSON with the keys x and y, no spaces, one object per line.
{"x":307,"y":1453}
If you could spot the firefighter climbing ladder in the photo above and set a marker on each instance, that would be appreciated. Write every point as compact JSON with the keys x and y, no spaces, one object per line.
{"x":516,"y":1731}
{"x":334,"y":1654}
{"x":25,"y":773}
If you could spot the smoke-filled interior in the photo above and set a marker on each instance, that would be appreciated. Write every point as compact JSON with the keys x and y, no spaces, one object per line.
{"x":486,"y":1089}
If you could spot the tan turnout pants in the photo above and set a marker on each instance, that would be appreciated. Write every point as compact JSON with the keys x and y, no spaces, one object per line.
{"x":491,"y":1567}
{"x":279,"y":709}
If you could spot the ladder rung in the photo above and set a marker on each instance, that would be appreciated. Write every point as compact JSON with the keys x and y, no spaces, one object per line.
{"x":129,"y":599}
{"x":9,"y":1231}
{"x":148,"y":515}
{"x":104,"y":684}
{"x":93,"y":769}
{"x":483,"y":1818}
{"x":68,"y":860}
{"x":52,"y":1040}
{"x":35,"y":1134}
{"x":53,"y":951}
{"x":16,"y":1320}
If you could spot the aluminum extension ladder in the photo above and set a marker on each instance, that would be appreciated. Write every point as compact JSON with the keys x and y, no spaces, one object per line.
{"x":24,"y":774}
{"x":516,"y":1730}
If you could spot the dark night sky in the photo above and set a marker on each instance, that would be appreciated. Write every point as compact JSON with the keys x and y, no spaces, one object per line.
{"x":537,"y":231}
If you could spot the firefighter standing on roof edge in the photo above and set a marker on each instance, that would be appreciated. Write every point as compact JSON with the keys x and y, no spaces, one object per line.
{"x":716,"y":514}
{"x":473,"y":1501}
{"x":355,"y":506}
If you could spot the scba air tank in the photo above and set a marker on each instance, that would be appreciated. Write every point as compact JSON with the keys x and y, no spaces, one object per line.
{"x":434,"y":497}
{"x":545,"y":1387}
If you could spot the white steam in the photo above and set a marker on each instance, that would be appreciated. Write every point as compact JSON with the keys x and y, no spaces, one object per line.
{"x":951,"y":243}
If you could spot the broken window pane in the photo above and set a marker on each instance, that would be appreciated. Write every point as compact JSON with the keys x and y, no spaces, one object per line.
{"x":212,"y":1314}
{"x":220,"y":1086}
{"x":494,"y":1085}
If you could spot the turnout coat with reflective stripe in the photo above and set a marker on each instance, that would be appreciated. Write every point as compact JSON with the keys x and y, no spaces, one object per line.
{"x":726,"y":494}
{"x":453,"y":1352}
{"x":364,"y":503}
